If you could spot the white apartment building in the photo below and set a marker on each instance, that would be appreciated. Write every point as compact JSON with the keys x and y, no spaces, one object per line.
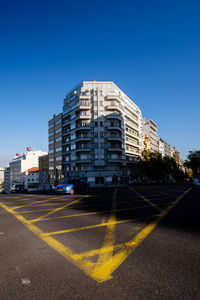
{"x":150,"y":129}
{"x":20,"y":164}
{"x":102,"y":130}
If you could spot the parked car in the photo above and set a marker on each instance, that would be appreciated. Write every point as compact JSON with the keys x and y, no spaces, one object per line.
{"x":195,"y":182}
{"x":19,"y":188}
{"x":72,"y":186}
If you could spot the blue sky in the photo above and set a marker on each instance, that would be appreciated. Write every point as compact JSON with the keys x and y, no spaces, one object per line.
{"x":150,"y":49}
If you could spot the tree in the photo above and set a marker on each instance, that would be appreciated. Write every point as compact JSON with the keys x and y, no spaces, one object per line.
{"x":193,"y":162}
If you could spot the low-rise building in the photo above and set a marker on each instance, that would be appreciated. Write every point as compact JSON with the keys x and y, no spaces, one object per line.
{"x":20,"y":164}
{"x":32,"y":179}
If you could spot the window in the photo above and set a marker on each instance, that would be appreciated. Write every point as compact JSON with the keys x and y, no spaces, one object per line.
{"x":73,"y":147}
{"x":59,"y":139}
{"x":101,"y":103}
{"x":51,"y":133}
{"x":96,"y":123}
{"x":96,"y":134}
{"x":58,"y":149}
{"x":73,"y":137}
{"x":59,"y":130}
{"x":101,"y":123}
{"x":95,"y":112}
{"x":95,"y":145}
{"x":51,"y":151}
{"x":51,"y":159}
{"x":95,"y":103}
{"x":58,"y":122}
{"x":50,"y":126}
{"x":73,"y":126}
{"x":58,"y":158}
{"x":102,"y":145}
{"x":51,"y":142}
{"x":101,"y":134}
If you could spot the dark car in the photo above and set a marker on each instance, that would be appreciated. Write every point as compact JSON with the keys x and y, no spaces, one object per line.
{"x":71,"y":186}
{"x":19,"y":188}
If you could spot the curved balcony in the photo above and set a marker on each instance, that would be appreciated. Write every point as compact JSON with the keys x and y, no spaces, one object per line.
{"x":83,"y":138}
{"x":83,"y":161}
{"x":113,"y":107}
{"x":114,"y":116}
{"x":114,"y":128}
{"x":114,"y":138}
{"x":115,"y":149}
{"x":113,"y":97}
{"x":79,"y":127}
{"x":85,"y":149}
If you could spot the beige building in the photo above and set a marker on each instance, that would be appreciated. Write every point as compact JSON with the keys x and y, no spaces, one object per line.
{"x":150,"y":130}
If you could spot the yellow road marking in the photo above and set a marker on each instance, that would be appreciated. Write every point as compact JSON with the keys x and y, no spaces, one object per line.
{"x":30,"y":204}
{"x":85,"y":265}
{"x":109,"y":239}
{"x":86,"y":227}
{"x":102,"y":271}
{"x":147,"y":200}
{"x":57,"y":209}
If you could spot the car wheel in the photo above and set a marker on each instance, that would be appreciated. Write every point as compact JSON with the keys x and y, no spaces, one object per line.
{"x":72,"y":192}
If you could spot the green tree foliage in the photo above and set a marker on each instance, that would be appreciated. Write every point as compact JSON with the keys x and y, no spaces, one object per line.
{"x":156,"y":167}
{"x":193,"y":162}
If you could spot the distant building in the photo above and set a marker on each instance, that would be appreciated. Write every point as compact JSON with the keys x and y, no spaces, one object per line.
{"x":55,"y":149}
{"x":20,"y":164}
{"x":44,"y":172}
{"x":7,"y":179}
{"x":1,"y":175}
{"x":167,"y":150}
{"x":146,"y":143}
{"x":161,"y":147}
{"x":32,"y":179}
{"x":150,"y":129}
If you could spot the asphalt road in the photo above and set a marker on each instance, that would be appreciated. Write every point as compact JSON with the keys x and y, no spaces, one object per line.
{"x":139,"y":242}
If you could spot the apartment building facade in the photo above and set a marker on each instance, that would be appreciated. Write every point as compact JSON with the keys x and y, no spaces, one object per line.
{"x":150,"y":130}
{"x":55,"y":133}
{"x":101,"y":132}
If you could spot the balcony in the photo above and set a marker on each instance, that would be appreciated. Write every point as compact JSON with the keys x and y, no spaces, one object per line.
{"x":83,"y":161}
{"x":114,"y":116}
{"x":82,"y":127}
{"x":132,"y":134}
{"x":130,"y":142}
{"x":131,"y":124}
{"x":83,"y":149}
{"x":113,"y":107}
{"x":113,"y":97}
{"x":114,"y":138}
{"x":114,"y":149}
{"x":83,"y":138}
{"x":114,"y":127}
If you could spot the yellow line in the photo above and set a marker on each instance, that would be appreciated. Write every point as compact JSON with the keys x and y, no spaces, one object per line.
{"x":57,"y":209}
{"x":147,"y":200}
{"x":85,"y":265}
{"x":109,"y":239}
{"x":103,"y":272}
{"x":30,"y":204}
{"x":86,"y":227}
